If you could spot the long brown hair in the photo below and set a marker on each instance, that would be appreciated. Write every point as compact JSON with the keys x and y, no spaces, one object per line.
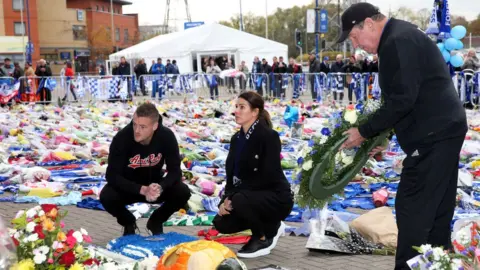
{"x":256,"y":102}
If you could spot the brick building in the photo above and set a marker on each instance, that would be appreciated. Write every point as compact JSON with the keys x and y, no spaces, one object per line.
{"x":11,"y":26}
{"x":62,"y":30}
{"x":99,"y":31}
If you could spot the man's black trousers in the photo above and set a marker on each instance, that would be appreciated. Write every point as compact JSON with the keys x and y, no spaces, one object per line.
{"x":426,"y":195}
{"x":173,"y":198}
{"x":260,"y":211}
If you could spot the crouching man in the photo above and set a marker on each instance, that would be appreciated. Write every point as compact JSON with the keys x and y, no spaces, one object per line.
{"x":134,"y":173}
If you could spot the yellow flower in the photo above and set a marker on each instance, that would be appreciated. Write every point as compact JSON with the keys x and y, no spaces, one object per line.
{"x":79,"y":249}
{"x":24,"y":265}
{"x":76,"y":266}
{"x":61,"y":237}
{"x":48,"y":225}
{"x":53,"y":213}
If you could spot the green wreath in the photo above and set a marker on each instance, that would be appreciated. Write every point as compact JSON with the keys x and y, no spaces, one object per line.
{"x":320,"y":182}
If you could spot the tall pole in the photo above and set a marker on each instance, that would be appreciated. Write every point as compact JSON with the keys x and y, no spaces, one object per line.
{"x":316,"y":27}
{"x":30,"y":45}
{"x":113,"y":27}
{"x":470,"y":41}
{"x":23,"y":34}
{"x":266,"y":19}
{"x":241,"y":16}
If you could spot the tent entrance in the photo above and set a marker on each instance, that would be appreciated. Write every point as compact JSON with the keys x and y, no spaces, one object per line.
{"x":199,"y":59}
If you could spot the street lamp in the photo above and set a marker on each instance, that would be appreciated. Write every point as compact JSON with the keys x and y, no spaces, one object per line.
{"x":113,"y":29}
{"x":241,"y":17}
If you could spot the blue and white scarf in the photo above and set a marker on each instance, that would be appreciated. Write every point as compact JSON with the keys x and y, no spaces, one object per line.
{"x":432,"y":28}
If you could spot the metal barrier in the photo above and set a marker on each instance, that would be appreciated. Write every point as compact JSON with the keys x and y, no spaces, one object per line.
{"x":337,"y":87}
{"x":75,"y":89}
{"x":467,"y":85}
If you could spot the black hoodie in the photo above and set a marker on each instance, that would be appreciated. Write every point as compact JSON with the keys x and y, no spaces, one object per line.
{"x":132,"y":165}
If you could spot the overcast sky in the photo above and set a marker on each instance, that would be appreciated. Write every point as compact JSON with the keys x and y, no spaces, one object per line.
{"x":152,"y":12}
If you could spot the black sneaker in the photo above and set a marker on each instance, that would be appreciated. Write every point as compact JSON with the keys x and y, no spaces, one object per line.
{"x":130,"y":229}
{"x":255,"y":248}
{"x":154,"y":229}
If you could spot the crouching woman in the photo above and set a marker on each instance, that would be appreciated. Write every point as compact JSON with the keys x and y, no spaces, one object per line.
{"x":257,"y":195}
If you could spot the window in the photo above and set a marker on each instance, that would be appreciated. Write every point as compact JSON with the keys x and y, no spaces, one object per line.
{"x":98,"y":8}
{"x":19,"y":28}
{"x":125,"y":35}
{"x":117,"y":34}
{"x":108,"y":9}
{"x":109,"y":33}
{"x":17,"y":4}
{"x":50,"y":57}
{"x":79,"y":32}
{"x":103,"y":8}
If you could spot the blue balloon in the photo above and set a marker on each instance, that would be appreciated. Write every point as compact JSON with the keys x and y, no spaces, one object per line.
{"x":441,"y":46}
{"x":458,"y":32}
{"x":456,"y":60}
{"x":459,"y":45}
{"x":450,"y":44}
{"x":446,"y":55}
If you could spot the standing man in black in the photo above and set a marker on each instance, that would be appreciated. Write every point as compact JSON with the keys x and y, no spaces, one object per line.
{"x":134,"y":173}
{"x":421,"y":105}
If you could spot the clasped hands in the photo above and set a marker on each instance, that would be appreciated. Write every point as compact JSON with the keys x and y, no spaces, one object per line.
{"x":151,"y":192}
{"x":225,"y":208}
{"x":355,"y":139}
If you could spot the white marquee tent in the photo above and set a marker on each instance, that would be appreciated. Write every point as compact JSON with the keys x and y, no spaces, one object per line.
{"x":203,"y":41}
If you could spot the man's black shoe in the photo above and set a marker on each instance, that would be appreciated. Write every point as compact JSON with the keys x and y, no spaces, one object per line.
{"x":155,"y":229}
{"x":130,"y":229}
{"x":255,"y":248}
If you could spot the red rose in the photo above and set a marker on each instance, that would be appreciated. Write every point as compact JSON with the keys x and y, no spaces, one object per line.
{"x":71,"y":241}
{"x":48,"y":207}
{"x":91,"y":262}
{"x":15,"y":241}
{"x":39,"y":230}
{"x":70,"y":233}
{"x":67,"y":259}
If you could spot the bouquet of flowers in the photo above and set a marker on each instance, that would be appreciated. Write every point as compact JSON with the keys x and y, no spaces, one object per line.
{"x":41,"y":243}
{"x":325,"y":170}
{"x":466,"y":255}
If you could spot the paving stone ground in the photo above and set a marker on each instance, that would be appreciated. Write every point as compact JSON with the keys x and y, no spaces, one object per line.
{"x":289,"y":253}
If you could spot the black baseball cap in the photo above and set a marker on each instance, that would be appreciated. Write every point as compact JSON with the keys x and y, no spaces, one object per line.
{"x":354,"y":15}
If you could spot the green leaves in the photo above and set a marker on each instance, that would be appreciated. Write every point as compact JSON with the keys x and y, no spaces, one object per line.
{"x":20,"y":222}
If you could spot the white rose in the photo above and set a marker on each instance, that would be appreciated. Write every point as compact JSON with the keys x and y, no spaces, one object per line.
{"x":425,"y":248}
{"x":39,"y":258}
{"x":17,"y":235}
{"x":38,"y":208}
{"x":32,"y":237}
{"x":307,"y":165}
{"x":31,"y":213}
{"x":20,"y":213}
{"x":30,"y":227}
{"x":78,"y":236}
{"x":351,"y":116}
{"x":437,"y":253}
{"x":347,"y":160}
{"x":83,"y":231}
{"x":41,"y":213}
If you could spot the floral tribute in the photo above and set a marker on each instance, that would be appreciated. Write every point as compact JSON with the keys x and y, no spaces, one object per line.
{"x":465,"y":254}
{"x":42,"y":244}
{"x":326,"y":170}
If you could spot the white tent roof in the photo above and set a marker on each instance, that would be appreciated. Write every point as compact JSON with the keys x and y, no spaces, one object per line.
{"x":205,"y":38}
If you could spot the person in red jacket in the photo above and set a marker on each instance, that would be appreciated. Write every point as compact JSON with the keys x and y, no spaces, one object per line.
{"x":70,"y":75}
